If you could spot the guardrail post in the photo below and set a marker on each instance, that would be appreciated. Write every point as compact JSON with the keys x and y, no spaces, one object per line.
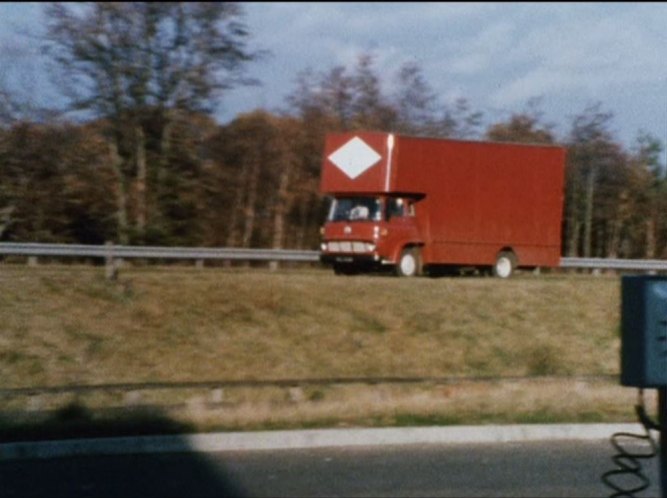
{"x":111,"y":271}
{"x":132,"y":398}
{"x":217,"y":395}
{"x":296,"y":394}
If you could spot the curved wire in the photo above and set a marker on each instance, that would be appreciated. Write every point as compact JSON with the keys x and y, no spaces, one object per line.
{"x":628,"y":478}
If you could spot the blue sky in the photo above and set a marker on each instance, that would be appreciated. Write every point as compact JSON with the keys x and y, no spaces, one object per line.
{"x":496,"y":55}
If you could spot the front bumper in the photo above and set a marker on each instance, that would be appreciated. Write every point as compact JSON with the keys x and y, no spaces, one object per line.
{"x":366,"y":259}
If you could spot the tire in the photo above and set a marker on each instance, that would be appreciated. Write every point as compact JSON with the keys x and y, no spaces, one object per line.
{"x":505,"y":264}
{"x":409,"y":264}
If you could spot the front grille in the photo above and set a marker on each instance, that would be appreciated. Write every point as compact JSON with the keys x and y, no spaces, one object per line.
{"x":347,"y":246}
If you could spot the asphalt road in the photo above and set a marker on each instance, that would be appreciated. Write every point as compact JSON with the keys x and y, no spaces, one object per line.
{"x":510,"y":469}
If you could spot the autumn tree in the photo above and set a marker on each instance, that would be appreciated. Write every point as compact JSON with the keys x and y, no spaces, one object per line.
{"x":141,"y":65}
{"x":459,"y":120}
{"x":320,"y":103}
{"x":180,"y":204}
{"x":416,"y":104}
{"x":594,"y":160}
{"x":526,"y":126}
{"x":649,"y":185}
{"x":337,"y":97}
{"x":52,"y":180}
{"x":9,"y":107}
{"x":371,"y":110}
{"x":256,"y":170}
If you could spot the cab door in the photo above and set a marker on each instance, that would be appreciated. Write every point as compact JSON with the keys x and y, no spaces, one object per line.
{"x":401,"y":225}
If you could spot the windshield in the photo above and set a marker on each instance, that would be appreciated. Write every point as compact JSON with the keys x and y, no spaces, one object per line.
{"x":356,"y":209}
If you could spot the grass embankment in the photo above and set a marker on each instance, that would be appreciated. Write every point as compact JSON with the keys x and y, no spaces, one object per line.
{"x":67,"y":325}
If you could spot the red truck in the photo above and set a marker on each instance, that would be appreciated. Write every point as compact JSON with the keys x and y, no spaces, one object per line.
{"x":418,"y":205}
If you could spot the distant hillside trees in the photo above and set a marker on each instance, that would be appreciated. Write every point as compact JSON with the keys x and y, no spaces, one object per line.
{"x":54,"y":184}
{"x":613,"y":196}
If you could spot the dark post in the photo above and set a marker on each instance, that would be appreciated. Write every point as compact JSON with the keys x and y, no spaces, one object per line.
{"x":662,"y":416}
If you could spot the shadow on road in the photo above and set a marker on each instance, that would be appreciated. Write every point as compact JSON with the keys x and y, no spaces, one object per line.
{"x":179,"y":474}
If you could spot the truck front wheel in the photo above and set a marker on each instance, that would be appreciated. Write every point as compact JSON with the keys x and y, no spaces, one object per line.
{"x":505,"y":264}
{"x":409,"y":264}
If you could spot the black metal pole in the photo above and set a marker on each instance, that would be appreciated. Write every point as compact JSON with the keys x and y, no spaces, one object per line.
{"x":662,"y":417}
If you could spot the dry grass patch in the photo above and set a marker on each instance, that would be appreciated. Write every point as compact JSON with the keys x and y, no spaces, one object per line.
{"x":354,"y":405}
{"x":67,"y":325}
{"x":71,"y":326}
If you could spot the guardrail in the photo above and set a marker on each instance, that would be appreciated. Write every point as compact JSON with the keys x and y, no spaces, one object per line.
{"x":614,"y":264}
{"x":111,"y":252}
{"x":155,"y":252}
{"x":114,"y":254}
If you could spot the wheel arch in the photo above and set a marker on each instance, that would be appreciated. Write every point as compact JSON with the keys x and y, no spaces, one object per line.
{"x":510,"y":250}
{"x":409,"y":244}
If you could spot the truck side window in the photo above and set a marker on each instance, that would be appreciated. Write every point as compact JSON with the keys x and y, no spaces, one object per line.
{"x":395,"y":208}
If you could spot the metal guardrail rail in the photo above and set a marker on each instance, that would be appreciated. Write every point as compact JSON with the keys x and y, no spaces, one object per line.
{"x":110,"y":251}
{"x":154,"y":252}
{"x":614,"y":264}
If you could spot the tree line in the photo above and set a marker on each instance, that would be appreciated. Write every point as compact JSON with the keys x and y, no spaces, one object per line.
{"x":148,"y":163}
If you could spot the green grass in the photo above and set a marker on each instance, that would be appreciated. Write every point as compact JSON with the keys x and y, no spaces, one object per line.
{"x":66,"y":325}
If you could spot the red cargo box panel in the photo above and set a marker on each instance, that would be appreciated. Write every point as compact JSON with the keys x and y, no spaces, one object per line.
{"x":486,"y":191}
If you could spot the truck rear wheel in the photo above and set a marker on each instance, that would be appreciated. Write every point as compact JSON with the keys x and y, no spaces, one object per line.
{"x":409,"y":264}
{"x":505,"y":264}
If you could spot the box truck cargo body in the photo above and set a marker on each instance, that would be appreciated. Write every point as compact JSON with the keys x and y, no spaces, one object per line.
{"x":415,"y":204}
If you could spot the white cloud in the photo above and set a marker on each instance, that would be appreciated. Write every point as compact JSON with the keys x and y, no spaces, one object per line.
{"x":591,"y":54}
{"x":480,"y":51}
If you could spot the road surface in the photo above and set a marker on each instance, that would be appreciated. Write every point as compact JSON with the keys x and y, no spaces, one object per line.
{"x":509,"y":469}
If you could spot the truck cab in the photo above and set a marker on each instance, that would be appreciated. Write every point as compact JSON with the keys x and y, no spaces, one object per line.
{"x":366,"y":232}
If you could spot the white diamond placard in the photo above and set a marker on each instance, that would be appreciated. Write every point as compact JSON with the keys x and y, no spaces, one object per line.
{"x":355,"y":157}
